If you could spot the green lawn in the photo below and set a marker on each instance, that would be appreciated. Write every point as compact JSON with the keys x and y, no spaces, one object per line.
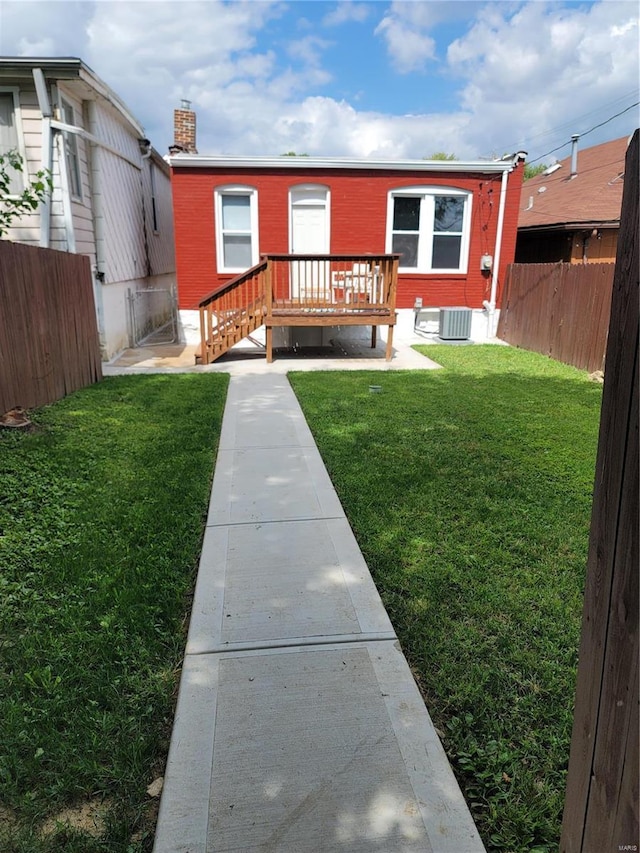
{"x":469,"y":491}
{"x":102,"y":508}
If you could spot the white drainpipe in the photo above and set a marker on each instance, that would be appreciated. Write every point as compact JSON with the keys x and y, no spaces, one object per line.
{"x":491,"y":304}
{"x":97,"y":209}
{"x":47,"y":153}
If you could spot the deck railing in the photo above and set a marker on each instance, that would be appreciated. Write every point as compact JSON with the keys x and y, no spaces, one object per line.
{"x":312,"y":289}
{"x":333,"y":283}
{"x":232,"y":311}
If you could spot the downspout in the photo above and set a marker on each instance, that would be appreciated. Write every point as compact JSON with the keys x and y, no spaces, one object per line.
{"x":57,"y":140}
{"x":491,"y":304}
{"x":145,"y":151}
{"x":47,"y":153}
{"x":66,"y":195}
{"x":97,"y":212}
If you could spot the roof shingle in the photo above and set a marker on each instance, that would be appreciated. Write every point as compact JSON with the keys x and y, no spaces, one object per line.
{"x":592,"y":197}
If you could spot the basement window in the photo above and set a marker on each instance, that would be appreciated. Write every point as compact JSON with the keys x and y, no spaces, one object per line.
{"x":429,"y":228}
{"x":236,"y":216}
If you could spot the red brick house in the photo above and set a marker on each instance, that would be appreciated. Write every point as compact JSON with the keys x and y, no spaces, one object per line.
{"x":452,"y":223}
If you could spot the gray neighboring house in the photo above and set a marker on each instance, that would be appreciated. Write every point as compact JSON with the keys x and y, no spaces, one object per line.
{"x":112,"y":191}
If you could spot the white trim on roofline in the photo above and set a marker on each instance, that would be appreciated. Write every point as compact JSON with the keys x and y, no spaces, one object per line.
{"x":70,"y":68}
{"x":200,"y":161}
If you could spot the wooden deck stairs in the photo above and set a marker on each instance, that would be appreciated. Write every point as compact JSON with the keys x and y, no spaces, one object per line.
{"x":297,"y":290}
{"x":234,"y":326}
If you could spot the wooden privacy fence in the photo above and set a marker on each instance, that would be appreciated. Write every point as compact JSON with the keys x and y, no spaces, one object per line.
{"x":559,"y":310}
{"x":601,"y":805}
{"x":48,"y":330}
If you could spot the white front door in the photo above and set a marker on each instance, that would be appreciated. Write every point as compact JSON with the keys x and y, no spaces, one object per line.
{"x":309,"y":235}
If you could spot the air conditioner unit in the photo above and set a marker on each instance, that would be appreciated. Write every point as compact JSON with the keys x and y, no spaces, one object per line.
{"x":455,"y":324}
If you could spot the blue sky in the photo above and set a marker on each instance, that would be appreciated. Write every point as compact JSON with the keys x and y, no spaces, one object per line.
{"x":380,"y":79}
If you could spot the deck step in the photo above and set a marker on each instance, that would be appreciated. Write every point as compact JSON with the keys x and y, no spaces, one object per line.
{"x":236,"y":326}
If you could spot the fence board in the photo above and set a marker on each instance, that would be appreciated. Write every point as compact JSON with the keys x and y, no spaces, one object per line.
{"x":48,"y":332}
{"x":559,"y":310}
{"x":601,"y":805}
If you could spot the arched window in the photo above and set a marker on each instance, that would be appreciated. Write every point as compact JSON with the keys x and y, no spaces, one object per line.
{"x":429,"y":227}
{"x":236,"y":212}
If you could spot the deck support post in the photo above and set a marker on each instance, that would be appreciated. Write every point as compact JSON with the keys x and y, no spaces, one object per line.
{"x":204,"y":352}
{"x":269,"y":341}
{"x":374,"y":336}
{"x":389,"y":351}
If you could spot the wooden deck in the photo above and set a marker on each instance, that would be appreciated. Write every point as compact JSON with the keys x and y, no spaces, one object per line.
{"x":300,"y":290}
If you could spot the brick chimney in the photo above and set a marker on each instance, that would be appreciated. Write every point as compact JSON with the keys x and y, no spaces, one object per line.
{"x":184,"y":130}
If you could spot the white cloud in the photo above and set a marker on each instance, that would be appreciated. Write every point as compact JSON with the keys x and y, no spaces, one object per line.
{"x":408,"y":45}
{"x":41,"y":47}
{"x":32,"y":29}
{"x":308,"y":49}
{"x":525,"y":73}
{"x":259,"y":81}
{"x":346,"y":11}
{"x":407,"y":29}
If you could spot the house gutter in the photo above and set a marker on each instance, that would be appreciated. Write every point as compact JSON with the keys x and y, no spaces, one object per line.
{"x":198,"y":161}
{"x":569,"y":226}
{"x":47,"y":153}
{"x":71,"y":68}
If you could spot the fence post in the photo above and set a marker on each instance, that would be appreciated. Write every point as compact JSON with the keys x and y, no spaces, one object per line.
{"x":601,"y":804}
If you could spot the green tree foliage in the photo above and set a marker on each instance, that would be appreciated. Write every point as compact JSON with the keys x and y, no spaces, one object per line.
{"x":13,"y":204}
{"x":293,"y":154}
{"x":441,"y":155}
{"x":531,"y":171}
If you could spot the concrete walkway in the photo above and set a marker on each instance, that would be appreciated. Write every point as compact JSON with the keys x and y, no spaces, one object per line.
{"x":299,"y":727}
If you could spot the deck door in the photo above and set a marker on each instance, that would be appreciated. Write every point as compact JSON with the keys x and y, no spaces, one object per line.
{"x":309,"y":235}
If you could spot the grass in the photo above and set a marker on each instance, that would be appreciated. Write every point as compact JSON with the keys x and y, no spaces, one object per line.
{"x":101,"y":518}
{"x":469,"y":491}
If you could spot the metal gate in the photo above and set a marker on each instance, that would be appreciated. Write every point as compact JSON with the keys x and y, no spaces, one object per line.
{"x":154,"y":316}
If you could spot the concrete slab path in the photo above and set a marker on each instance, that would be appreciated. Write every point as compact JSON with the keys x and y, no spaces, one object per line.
{"x":299,"y":727}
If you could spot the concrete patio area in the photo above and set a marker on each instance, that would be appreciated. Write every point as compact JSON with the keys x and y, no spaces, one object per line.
{"x":299,"y":727}
{"x":349,"y":349}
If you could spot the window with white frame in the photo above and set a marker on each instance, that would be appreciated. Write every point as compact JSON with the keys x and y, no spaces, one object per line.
{"x":10,"y":139}
{"x":429,"y":228}
{"x":236,"y":228}
{"x":71,"y":151}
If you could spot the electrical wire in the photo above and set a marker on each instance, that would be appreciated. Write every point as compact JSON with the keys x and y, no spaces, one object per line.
{"x":555,"y":131}
{"x":595,"y":127}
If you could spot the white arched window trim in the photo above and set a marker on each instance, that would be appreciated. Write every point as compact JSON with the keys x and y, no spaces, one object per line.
{"x":416,"y":229}
{"x":236,"y":224}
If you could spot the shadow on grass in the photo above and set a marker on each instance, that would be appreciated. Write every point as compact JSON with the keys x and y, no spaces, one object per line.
{"x":469,"y":491}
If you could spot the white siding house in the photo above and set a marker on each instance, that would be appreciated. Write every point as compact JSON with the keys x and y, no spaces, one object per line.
{"x":111,"y":196}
